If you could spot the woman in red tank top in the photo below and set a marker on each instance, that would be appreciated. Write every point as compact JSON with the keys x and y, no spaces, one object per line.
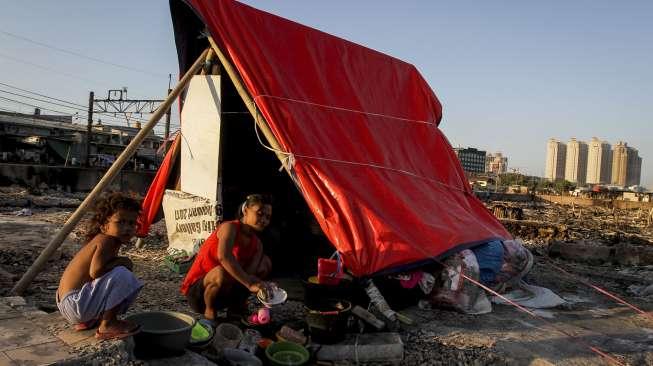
{"x":231,"y":256}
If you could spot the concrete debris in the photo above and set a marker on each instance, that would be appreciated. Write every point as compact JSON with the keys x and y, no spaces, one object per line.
{"x":610,"y":249}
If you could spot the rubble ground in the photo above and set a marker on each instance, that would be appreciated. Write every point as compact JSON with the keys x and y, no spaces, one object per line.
{"x":505,"y":336}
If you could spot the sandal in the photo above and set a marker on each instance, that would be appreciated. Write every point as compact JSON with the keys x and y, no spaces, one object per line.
{"x":86,"y":325}
{"x":116,"y":334}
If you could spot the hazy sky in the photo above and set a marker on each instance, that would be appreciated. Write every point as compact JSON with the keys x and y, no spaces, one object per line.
{"x":510,"y":74}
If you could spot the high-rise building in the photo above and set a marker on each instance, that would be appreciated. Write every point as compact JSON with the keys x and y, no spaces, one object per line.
{"x":496,"y":163}
{"x":556,"y":155}
{"x":472,"y":160}
{"x":576,"y":162}
{"x":599,"y":162}
{"x":634,"y":170}
{"x":626,"y":165}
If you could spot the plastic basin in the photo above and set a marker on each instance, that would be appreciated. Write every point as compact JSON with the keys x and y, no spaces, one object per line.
{"x":238,"y":357}
{"x":286,"y":354}
{"x":164,"y":331}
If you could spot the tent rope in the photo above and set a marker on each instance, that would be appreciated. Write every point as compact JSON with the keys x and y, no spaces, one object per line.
{"x":291,"y":160}
{"x":344,"y":109}
{"x":600,"y":290}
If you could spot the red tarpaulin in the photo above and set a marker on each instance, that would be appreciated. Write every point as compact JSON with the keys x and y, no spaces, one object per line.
{"x":152,"y":201}
{"x":377,"y":173}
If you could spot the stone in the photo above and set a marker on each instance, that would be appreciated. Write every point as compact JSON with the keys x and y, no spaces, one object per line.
{"x":14,"y":301}
{"x":39,"y":354}
{"x":647,"y":291}
{"x":369,"y":347}
{"x":20,"y":332}
{"x":582,"y":252}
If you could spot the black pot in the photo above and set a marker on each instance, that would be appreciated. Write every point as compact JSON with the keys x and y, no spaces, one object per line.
{"x":315,"y":293}
{"x":327,"y":320}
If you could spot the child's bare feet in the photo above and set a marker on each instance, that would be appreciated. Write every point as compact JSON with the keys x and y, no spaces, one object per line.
{"x":209,"y":314}
{"x":116,"y":329}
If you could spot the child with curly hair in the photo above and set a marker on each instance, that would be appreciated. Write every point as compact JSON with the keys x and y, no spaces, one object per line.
{"x":97,"y":284}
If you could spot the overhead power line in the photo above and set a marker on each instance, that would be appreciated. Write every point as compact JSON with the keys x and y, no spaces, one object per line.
{"x":112,"y":119}
{"x":41,"y":95}
{"x":34,"y":106}
{"x":21,"y":61}
{"x":75,"y":106}
{"x":22,"y":38}
{"x":42,"y":100}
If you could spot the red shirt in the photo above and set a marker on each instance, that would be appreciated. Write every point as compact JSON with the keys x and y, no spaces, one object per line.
{"x":207,"y":257}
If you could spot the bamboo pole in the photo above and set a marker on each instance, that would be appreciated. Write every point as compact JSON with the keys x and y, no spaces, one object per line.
{"x":249,"y":102}
{"x":108,"y":177}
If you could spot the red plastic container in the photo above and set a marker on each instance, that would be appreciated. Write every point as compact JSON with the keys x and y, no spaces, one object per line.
{"x":328,"y":272}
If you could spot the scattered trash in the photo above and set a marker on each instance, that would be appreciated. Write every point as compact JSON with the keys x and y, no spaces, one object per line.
{"x":24,"y":212}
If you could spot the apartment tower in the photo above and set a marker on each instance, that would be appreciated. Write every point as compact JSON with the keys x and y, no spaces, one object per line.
{"x":576,"y":162}
{"x":626,"y":165}
{"x":556,"y":153}
{"x":599,"y":162}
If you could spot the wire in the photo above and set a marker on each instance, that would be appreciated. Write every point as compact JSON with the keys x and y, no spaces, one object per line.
{"x":41,"y":100}
{"x":41,"y":95}
{"x":52,"y":70}
{"x":32,"y":105}
{"x":115,"y":119}
{"x":82,"y":109}
{"x":133,"y":69}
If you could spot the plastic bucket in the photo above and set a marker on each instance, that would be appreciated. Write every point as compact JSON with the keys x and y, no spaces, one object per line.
{"x":328,"y":272}
{"x":226,"y":336}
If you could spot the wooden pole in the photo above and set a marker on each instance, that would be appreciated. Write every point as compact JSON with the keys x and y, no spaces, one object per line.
{"x":249,"y":102}
{"x":108,"y":177}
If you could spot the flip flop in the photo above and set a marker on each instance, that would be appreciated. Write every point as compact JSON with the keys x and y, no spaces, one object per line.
{"x":86,"y":325}
{"x":116,"y":334}
{"x":212,"y":323}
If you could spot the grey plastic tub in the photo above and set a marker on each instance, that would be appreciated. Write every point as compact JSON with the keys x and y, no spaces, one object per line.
{"x":164,"y":331}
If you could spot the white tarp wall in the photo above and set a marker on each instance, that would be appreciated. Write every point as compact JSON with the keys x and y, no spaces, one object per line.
{"x":200,"y":142}
{"x":189,"y":220}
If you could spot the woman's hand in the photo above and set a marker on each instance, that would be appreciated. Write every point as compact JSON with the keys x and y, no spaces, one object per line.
{"x":255,"y":284}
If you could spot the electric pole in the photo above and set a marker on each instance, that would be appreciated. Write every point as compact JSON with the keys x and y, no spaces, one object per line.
{"x":89,"y":129}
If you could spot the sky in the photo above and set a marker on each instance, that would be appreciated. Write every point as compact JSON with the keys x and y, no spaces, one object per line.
{"x":509,"y":74}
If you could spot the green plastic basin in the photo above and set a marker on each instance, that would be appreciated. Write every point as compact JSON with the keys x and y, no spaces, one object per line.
{"x":286,"y":354}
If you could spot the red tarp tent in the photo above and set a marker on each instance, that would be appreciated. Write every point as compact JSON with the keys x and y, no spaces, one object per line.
{"x":378,"y":174}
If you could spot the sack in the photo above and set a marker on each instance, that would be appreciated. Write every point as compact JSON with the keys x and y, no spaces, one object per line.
{"x":189,"y":220}
{"x":452,"y":291}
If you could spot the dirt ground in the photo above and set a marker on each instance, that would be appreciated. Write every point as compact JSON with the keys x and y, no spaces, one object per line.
{"x":506,"y":336}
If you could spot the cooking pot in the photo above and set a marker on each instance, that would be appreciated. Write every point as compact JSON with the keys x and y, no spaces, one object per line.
{"x":327,"y":320}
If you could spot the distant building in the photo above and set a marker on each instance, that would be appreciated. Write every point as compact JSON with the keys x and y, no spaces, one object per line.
{"x":626,"y":165}
{"x":496,"y":163}
{"x":556,"y":155}
{"x":472,"y":160}
{"x":576,"y":162}
{"x":55,"y":140}
{"x":599,"y":162}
